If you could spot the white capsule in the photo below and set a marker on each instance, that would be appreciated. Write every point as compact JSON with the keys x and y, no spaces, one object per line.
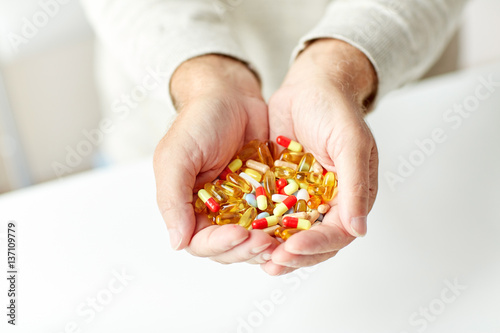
{"x":278,"y":197}
{"x":302,"y":194}
{"x":249,"y":179}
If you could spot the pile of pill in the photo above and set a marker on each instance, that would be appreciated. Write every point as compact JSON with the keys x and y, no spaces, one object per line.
{"x":281,"y":194}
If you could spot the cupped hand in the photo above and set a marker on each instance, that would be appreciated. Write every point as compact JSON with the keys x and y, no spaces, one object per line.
{"x":220,"y":109}
{"x":321,"y":104}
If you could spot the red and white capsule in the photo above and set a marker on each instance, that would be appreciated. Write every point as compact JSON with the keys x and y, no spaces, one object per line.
{"x":285,"y":205}
{"x":260,"y":194}
{"x":294,"y":222}
{"x":289,"y":143}
{"x":265,"y":222}
{"x":234,"y":166}
{"x":209,"y":201}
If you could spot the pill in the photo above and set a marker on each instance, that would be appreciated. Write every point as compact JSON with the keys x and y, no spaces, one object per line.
{"x":291,"y":188}
{"x":270,"y":230}
{"x":265,"y":222}
{"x":253,"y":173}
{"x":280,"y":183}
{"x":291,"y":156}
{"x":208,"y":200}
{"x":293,"y":222}
{"x":249,"y":151}
{"x":329,"y":182}
{"x":323,"y":208}
{"x":300,"y":215}
{"x":232,"y":190}
{"x":301,"y":206}
{"x":199,"y":206}
{"x":269,"y":183}
{"x":260,"y":194}
{"x":234,"y":166}
{"x":285,"y":205}
{"x":227,"y":218}
{"x":237,"y":180}
{"x":317,"y":168}
{"x":317,"y":190}
{"x":288,"y":143}
{"x":250,"y":199}
{"x":285,"y":233}
{"x":303,"y":195}
{"x":237,"y":206}
{"x":260,"y":167}
{"x":265,"y":156}
{"x":278,"y":197}
{"x":283,"y":172}
{"x":315,"y":178}
{"x":216,"y":192}
{"x":285,"y":164}
{"x":306,"y":163}
{"x":262,"y":215}
{"x":313,"y":216}
{"x":250,"y":180}
{"x":248,"y":217}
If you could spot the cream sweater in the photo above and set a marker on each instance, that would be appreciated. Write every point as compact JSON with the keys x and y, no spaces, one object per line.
{"x":402,"y":38}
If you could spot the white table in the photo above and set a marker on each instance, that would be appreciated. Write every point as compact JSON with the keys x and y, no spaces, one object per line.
{"x":440,"y":226}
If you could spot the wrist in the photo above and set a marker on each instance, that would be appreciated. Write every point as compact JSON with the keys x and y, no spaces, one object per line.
{"x":212,"y":75}
{"x":340,"y":64}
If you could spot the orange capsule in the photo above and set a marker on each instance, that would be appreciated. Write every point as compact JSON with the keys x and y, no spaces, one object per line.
{"x":265,"y":156}
{"x":265,"y":222}
{"x":269,"y":184}
{"x":242,"y":183}
{"x":289,"y":143}
{"x":216,"y":192}
{"x":294,"y":222}
{"x":285,"y":205}
{"x":208,"y":200}
{"x":234,"y":166}
{"x":273,"y":149}
{"x":314,"y":201}
{"x":260,"y":194}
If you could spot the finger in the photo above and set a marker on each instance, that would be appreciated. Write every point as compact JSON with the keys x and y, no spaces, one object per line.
{"x":352,"y":160}
{"x":215,"y":239}
{"x":276,"y":270}
{"x":253,"y":246}
{"x":175,"y":175}
{"x":284,"y":258}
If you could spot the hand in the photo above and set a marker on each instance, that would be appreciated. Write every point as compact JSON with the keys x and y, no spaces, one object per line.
{"x":321,"y":104}
{"x":220,"y":109}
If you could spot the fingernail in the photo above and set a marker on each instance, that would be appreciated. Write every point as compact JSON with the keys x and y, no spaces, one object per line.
{"x":175,"y":238}
{"x":266,"y":256}
{"x":358,"y":226}
{"x":259,"y":249}
{"x":238,"y":241}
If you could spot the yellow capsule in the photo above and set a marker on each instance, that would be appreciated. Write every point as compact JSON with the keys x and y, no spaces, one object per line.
{"x":248,"y":217}
{"x":301,"y":206}
{"x":301,"y":178}
{"x":315,"y":178}
{"x":314,"y":201}
{"x":292,"y":187}
{"x":306,"y":163}
{"x":291,"y":156}
{"x":317,"y":190}
{"x":269,"y":184}
{"x":242,"y":183}
{"x":285,"y":233}
{"x":279,"y":231}
{"x":199,"y":206}
{"x":249,"y":151}
{"x":232,"y":190}
{"x":216,"y":192}
{"x":212,"y":217}
{"x":227,"y":218}
{"x":283,"y":172}
{"x":265,"y":156}
{"x":237,"y":206}
{"x":253,"y":173}
{"x":329,"y":182}
{"x":317,"y":168}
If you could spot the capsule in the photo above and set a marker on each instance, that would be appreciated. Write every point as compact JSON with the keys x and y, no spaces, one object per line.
{"x":250,"y":199}
{"x":314,"y":202}
{"x":270,"y":231}
{"x":314,"y":189}
{"x":253,"y":173}
{"x":248,"y":217}
{"x":293,"y":222}
{"x":260,"y":194}
{"x":289,"y":144}
{"x":265,"y":156}
{"x":283,"y":172}
{"x":263,"y":215}
{"x":292,"y":187}
{"x":315,"y":178}
{"x":317,"y":168}
{"x":278,"y":197}
{"x":249,"y":151}
{"x":273,"y":149}
{"x":242,"y":183}
{"x":199,"y":206}
{"x":232,"y":190}
{"x":285,"y":205}
{"x":301,"y":178}
{"x":234,"y":166}
{"x":302,"y":194}
{"x":306,"y":163}
{"x":329,"y":182}
{"x":280,"y":183}
{"x":313,"y":216}
{"x":250,"y":180}
{"x":285,"y":233}
{"x":301,"y":206}
{"x":236,"y":206}
{"x":323,"y":208}
{"x":291,"y":156}
{"x":260,"y":167}
{"x":285,"y":164}
{"x":227,"y":218}
{"x":269,"y":184}
{"x":208,"y":200}
{"x":216,"y":192}
{"x":265,"y":222}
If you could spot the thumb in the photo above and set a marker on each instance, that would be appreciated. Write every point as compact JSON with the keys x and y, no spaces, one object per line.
{"x":353,"y":170}
{"x":175,"y":176}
